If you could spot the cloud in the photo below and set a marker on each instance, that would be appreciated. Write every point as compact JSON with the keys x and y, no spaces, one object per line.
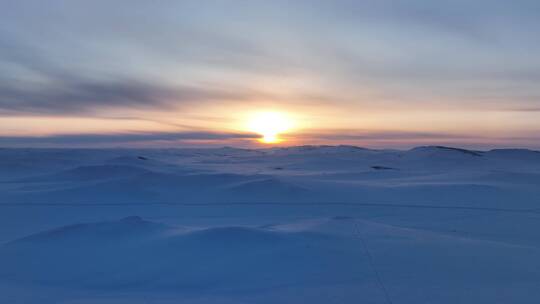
{"x":82,"y":96}
{"x":523,"y":109}
{"x":119,"y":138}
{"x":38,"y":80}
{"x":379,"y":135}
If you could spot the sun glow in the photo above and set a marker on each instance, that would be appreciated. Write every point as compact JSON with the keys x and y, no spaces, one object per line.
{"x":270,"y":125}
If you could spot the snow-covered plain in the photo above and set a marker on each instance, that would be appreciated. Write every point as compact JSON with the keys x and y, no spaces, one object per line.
{"x":310,"y":224}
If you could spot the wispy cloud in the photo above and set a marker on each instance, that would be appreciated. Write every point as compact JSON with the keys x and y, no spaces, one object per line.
{"x":121,"y":138}
{"x":82,"y":96}
{"x":379,"y":135}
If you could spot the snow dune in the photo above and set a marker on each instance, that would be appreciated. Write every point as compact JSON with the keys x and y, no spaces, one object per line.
{"x":140,"y":258}
{"x":134,"y":254}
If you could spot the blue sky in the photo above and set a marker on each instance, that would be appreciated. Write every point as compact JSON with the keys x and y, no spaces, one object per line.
{"x":372,"y":73}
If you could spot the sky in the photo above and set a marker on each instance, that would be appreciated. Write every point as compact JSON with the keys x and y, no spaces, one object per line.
{"x":378,"y":73}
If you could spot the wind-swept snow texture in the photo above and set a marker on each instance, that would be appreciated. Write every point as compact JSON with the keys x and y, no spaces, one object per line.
{"x":310,"y":224}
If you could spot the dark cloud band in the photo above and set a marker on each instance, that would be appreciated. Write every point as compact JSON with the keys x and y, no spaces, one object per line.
{"x":98,"y":139}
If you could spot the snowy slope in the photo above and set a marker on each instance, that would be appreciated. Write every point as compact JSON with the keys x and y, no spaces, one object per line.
{"x":310,"y":224}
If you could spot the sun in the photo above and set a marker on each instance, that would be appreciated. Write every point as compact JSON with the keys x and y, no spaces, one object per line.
{"x":269,"y":125}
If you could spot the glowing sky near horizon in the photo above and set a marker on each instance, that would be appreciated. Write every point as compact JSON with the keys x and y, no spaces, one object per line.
{"x":383,"y":73}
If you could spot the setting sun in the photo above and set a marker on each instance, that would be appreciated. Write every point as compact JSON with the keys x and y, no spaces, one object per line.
{"x":270,"y":125}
